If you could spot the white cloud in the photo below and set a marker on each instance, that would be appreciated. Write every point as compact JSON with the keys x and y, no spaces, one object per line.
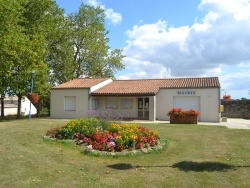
{"x":114,"y":17}
{"x":145,"y":69}
{"x":205,"y":48}
{"x":237,"y":84}
{"x":94,"y":3}
{"x":239,"y":9}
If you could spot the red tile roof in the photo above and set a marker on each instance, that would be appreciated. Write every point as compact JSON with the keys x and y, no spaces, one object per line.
{"x":139,"y":87}
{"x":80,"y":83}
{"x":152,"y":86}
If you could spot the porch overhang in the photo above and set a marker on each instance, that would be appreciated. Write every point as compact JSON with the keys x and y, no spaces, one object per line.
{"x":121,"y":95}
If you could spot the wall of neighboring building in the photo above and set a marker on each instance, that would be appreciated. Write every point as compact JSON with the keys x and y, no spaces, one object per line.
{"x":126,"y":107}
{"x":58,"y":102}
{"x":10,"y":106}
{"x":10,"y":111}
{"x":207,"y":102}
{"x":236,"y":109}
{"x":25,"y":107}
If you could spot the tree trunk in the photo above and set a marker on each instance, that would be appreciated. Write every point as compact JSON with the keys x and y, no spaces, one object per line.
{"x":38,"y":107}
{"x":2,"y":106}
{"x":19,"y":106}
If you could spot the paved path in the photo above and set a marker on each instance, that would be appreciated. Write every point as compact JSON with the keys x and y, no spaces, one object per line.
{"x":231,"y":123}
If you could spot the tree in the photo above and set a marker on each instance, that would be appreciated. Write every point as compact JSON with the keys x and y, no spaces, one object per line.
{"x":91,"y":51}
{"x":60,"y":50}
{"x":23,"y":48}
{"x":45,"y":18}
{"x":33,"y":36}
{"x":36,"y":35}
{"x":11,"y":40}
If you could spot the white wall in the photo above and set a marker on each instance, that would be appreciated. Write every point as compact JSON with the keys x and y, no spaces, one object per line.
{"x":209,"y":103}
{"x":57,"y":106}
{"x":10,"y":111}
{"x":25,"y":107}
{"x":164,"y":100}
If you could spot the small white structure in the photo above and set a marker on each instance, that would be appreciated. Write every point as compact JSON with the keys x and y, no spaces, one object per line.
{"x":10,"y":106}
{"x":147,"y":99}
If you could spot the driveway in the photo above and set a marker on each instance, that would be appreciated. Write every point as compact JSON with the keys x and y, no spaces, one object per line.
{"x":232,"y":123}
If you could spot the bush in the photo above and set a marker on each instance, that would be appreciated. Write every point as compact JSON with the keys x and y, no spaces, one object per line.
{"x":44,"y":112}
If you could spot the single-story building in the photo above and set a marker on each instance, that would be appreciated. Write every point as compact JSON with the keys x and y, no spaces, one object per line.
{"x":147,"y":99}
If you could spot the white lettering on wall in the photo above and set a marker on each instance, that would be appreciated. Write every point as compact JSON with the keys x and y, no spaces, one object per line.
{"x":186,"y":92}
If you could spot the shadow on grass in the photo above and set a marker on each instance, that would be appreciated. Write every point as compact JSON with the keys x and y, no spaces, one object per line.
{"x":121,"y":166}
{"x":14,"y":118}
{"x":202,"y":166}
{"x":9,"y":118}
{"x":185,"y":166}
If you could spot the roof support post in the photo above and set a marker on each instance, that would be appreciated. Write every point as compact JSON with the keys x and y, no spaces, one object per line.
{"x":152,"y":108}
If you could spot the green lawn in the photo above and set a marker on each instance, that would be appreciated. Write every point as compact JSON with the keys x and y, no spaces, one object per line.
{"x":197,"y":156}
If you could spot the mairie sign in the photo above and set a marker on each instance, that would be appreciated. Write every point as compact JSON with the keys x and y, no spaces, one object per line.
{"x":186,"y":92}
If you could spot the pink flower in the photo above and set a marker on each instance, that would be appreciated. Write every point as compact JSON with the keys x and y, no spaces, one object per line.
{"x":86,"y":140}
{"x":111,"y":144}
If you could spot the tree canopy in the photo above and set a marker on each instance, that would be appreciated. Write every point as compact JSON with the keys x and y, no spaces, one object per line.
{"x":92,"y":55}
{"x":36,"y":35}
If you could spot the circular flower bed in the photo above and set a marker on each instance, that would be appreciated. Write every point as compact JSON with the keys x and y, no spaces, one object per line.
{"x":101,"y":135}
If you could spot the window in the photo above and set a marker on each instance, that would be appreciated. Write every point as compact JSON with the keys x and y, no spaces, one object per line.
{"x":70,"y":103}
{"x":95,"y":104}
{"x":112,"y":102}
{"x":127,"y":103}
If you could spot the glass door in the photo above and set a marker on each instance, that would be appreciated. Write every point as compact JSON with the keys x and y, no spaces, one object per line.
{"x":143,"y":107}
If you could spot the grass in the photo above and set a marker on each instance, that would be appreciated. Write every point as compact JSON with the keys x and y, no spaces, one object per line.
{"x":197,"y":156}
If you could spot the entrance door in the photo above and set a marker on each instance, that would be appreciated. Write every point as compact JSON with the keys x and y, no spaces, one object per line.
{"x":143,"y":107}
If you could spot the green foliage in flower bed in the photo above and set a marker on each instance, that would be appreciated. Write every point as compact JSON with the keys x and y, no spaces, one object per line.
{"x":107,"y":136}
{"x":85,"y":126}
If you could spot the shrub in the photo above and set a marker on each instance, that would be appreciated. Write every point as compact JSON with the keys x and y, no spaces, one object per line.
{"x":105,"y":114}
{"x":44,"y":112}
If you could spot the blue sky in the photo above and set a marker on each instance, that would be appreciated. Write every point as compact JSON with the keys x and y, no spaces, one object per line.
{"x":168,"y":39}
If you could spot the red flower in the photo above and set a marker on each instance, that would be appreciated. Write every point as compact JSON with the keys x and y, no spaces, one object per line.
{"x":180,"y":112}
{"x":175,"y":111}
{"x":139,"y":145}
